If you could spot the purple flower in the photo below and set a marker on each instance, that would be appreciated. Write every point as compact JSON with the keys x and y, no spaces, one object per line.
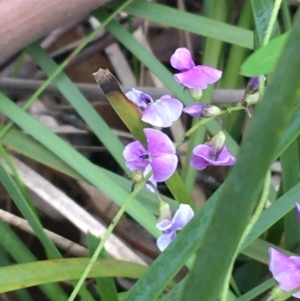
{"x":191,"y":76}
{"x":204,"y":155}
{"x":285,"y":270}
{"x":160,"y":155}
{"x":161,"y":113}
{"x":170,"y":226}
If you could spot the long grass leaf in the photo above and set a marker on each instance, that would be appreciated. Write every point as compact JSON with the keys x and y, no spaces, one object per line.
{"x":172,"y":17}
{"x":36,"y":273}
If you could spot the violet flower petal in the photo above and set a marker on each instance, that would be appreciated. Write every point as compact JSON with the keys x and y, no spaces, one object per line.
{"x":225,"y":158}
{"x":182,"y":59}
{"x":163,"y":112}
{"x":285,"y":270}
{"x":162,"y":152}
{"x":171,"y":105}
{"x":165,"y":239}
{"x":158,"y":142}
{"x":132,"y":154}
{"x":198,"y":162}
{"x":198,"y":77}
{"x":194,"y":110}
{"x":201,"y":157}
{"x":141,"y":99}
{"x":164,"y":225}
{"x":298,"y":210}
{"x":182,"y":216}
{"x":163,"y":166}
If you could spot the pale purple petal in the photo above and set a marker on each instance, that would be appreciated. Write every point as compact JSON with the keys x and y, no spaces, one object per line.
{"x":195,"y":110}
{"x":298,"y":210}
{"x":203,"y":156}
{"x":224,"y":158}
{"x":182,"y":59}
{"x":163,"y":159}
{"x":296,"y":260}
{"x":141,"y":99}
{"x":285,"y":271}
{"x":182,"y":216}
{"x":198,"y":162}
{"x":132,"y":154}
{"x":171,"y":105}
{"x":198,"y":77}
{"x":163,"y":112}
{"x":156,"y":117}
{"x":163,"y":166}
{"x":164,"y":225}
{"x":165,"y":239}
{"x":158,"y":142}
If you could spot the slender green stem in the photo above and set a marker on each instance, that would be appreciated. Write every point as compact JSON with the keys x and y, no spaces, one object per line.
{"x":204,"y":121}
{"x":255,"y":217}
{"x":273,"y":18}
{"x":109,"y":230}
{"x":66,"y":62}
{"x":272,"y":21}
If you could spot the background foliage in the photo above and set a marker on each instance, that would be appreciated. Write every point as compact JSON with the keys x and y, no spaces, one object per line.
{"x":62,"y":168}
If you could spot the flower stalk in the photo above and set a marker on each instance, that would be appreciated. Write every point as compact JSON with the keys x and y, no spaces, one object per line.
{"x":106,"y":235}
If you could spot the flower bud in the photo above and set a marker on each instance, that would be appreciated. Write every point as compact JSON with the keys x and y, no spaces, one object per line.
{"x":195,"y":93}
{"x":217,"y":143}
{"x":165,"y":211}
{"x":210,"y":111}
{"x":251,"y":96}
{"x":137,"y":175}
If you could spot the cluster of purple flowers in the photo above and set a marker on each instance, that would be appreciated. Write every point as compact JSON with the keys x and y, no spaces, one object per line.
{"x":159,"y":155}
{"x":286,"y":269}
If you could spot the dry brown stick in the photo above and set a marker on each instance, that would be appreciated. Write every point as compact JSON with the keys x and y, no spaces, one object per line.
{"x":16,"y":87}
{"x":61,"y":242}
{"x":23,"y":22}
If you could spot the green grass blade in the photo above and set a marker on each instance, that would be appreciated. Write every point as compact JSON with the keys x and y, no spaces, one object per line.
{"x":189,"y":22}
{"x":258,"y":290}
{"x":36,"y":273}
{"x":231,"y":77}
{"x":290,"y":177}
{"x":27,"y":212}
